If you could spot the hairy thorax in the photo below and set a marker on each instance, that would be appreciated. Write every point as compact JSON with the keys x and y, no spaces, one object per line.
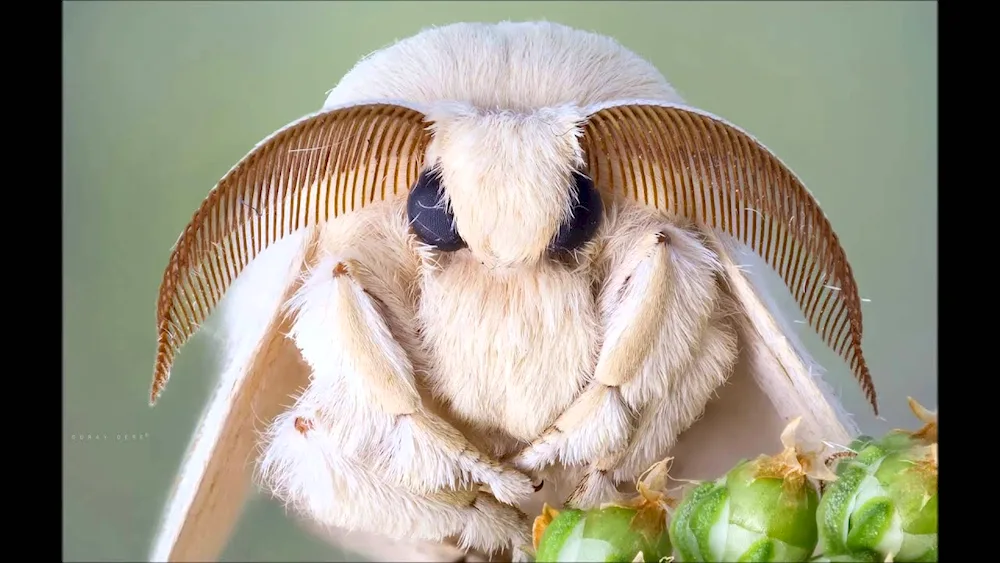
{"x":509,"y":350}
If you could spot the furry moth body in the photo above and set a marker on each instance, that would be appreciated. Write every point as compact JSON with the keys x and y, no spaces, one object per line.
{"x":418,"y":366}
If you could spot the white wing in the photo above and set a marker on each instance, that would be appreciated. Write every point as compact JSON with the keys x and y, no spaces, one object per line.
{"x":262,"y":371}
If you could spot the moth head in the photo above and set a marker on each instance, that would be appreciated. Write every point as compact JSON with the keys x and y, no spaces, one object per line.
{"x":512,"y":186}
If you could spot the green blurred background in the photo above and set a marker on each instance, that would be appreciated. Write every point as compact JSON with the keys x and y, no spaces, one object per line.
{"x":160,"y":99}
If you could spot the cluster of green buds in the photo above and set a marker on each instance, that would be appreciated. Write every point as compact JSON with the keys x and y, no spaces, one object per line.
{"x":883,"y":505}
{"x":634,"y":531}
{"x":761,"y":510}
{"x":876,"y":502}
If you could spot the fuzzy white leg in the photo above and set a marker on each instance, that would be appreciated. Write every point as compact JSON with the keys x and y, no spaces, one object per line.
{"x":489,"y":527}
{"x":304,"y":466}
{"x":344,"y":337}
{"x":687,"y":395}
{"x":656,"y":300}
{"x":358,"y":450}
{"x":662,"y":420}
{"x":574,"y":439}
{"x":428,"y":454}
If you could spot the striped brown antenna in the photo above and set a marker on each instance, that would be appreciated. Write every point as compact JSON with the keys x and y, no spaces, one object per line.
{"x":312,"y":170}
{"x":698,"y":166}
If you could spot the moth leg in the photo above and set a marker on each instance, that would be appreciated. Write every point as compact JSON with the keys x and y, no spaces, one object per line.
{"x":360,"y":449}
{"x":658,"y":293}
{"x":666,"y":407}
{"x":306,"y":465}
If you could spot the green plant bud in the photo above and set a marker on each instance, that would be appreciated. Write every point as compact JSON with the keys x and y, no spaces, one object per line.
{"x":630,"y":532}
{"x":761,"y":510}
{"x":611,"y":533}
{"x":885,"y":499}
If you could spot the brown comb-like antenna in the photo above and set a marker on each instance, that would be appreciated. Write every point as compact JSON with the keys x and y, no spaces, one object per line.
{"x":311,"y":170}
{"x":698,"y":166}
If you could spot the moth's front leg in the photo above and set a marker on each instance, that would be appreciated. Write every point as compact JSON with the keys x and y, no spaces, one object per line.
{"x":666,"y":405}
{"x":359,"y":449}
{"x":666,"y":349}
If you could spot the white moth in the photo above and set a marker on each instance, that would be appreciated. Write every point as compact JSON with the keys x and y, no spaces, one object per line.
{"x":501,"y":254}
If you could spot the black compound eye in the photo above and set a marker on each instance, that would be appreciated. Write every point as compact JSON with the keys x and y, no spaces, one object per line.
{"x":584,"y":218}
{"x":431,"y":220}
